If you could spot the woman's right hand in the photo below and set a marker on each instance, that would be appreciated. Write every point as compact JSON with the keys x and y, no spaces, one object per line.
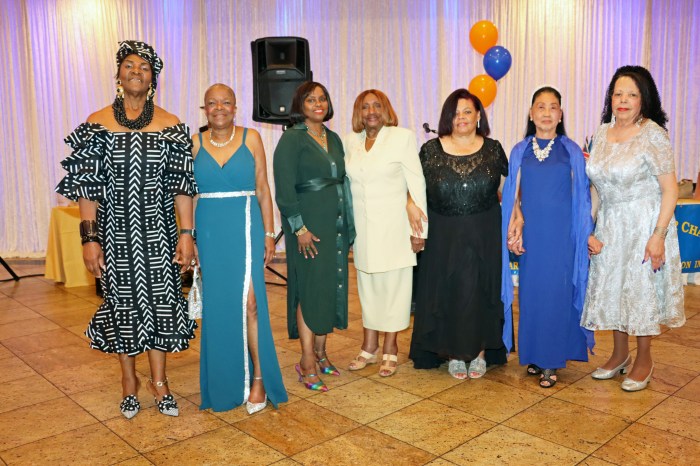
{"x":594,"y":246}
{"x":93,"y":258}
{"x":306,"y":246}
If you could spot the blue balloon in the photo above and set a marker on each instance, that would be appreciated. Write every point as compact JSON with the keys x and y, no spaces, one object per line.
{"x":497,"y":61}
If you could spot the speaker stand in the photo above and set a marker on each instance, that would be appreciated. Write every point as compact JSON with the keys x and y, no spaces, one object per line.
{"x":275,"y":272}
{"x":15,"y":277}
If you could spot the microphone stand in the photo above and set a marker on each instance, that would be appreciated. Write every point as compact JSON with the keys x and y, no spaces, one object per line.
{"x":15,"y":277}
{"x":277,"y":240}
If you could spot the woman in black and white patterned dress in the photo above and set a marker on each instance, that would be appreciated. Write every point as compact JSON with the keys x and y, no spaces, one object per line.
{"x":131,"y":164}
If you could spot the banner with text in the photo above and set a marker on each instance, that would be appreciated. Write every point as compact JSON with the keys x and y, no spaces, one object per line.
{"x":688,"y":218}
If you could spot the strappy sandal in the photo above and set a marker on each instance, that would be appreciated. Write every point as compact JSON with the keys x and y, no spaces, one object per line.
{"x":386,"y":370}
{"x":533,"y":369}
{"x":548,"y":377}
{"x":167,"y":405}
{"x":367,"y":358}
{"x":315,"y":386}
{"x":330,"y":368}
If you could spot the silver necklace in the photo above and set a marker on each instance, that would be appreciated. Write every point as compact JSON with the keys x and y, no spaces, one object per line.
{"x":541,"y":154}
{"x":322,"y":136}
{"x":221,"y":144}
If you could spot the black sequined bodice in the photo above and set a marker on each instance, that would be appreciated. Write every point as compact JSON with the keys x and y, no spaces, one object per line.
{"x":463,"y":185}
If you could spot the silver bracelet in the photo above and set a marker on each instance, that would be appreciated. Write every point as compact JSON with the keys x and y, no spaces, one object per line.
{"x":660,"y":231}
{"x":270,"y":234}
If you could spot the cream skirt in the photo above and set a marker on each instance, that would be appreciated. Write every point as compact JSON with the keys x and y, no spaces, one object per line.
{"x":386,"y":299}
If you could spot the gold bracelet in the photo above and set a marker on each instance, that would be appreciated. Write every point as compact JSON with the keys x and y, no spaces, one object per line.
{"x":660,"y":231}
{"x":301,"y":230}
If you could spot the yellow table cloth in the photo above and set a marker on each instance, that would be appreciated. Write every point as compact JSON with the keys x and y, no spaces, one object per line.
{"x":64,"y":253}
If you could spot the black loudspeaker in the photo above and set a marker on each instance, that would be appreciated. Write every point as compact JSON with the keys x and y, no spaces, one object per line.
{"x":280,"y":65}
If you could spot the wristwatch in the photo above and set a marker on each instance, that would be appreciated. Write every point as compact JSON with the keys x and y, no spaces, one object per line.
{"x":187,"y":231}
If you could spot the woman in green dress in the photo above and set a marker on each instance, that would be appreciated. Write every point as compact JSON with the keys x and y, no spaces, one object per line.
{"x":315,"y":205}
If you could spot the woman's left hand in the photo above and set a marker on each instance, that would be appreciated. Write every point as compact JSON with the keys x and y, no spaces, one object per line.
{"x":416,"y":217}
{"x":417,"y":244}
{"x":269,"y":249}
{"x":656,"y":251}
{"x":184,"y":252}
{"x":515,"y":236}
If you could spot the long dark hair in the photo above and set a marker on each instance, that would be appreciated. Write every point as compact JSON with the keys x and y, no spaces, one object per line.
{"x":449,"y":108}
{"x":296,"y":114}
{"x":651,"y":102}
{"x":531,"y":129}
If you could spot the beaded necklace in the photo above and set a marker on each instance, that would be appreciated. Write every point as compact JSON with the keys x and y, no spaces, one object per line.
{"x":143,"y":120}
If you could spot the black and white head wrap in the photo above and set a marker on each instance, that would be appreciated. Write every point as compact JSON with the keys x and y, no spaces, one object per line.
{"x":143,"y":50}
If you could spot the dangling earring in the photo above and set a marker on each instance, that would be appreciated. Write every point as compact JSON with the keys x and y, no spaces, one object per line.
{"x":612,"y":121}
{"x":120,"y":89}
{"x":151,"y":91}
{"x":478,"y":123}
{"x":638,"y":123}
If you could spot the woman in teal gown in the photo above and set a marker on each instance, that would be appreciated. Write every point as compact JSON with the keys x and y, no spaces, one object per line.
{"x":235,"y":240}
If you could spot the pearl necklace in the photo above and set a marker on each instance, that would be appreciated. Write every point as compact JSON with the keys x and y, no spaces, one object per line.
{"x":221,"y":144}
{"x":541,"y":154}
{"x":322,"y":136}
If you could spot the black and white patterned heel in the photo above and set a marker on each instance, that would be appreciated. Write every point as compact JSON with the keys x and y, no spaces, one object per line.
{"x":167,"y":405}
{"x":130,"y":406}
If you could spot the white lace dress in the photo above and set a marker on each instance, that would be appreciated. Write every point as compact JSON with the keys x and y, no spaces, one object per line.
{"x":624,"y":294}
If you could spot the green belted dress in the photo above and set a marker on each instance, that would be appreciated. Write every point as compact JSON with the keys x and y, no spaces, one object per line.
{"x":311,"y":189}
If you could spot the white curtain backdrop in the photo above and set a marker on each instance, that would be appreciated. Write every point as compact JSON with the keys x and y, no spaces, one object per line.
{"x":58,"y":59}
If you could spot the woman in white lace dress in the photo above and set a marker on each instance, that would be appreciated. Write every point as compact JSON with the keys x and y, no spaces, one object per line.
{"x":635,"y":276}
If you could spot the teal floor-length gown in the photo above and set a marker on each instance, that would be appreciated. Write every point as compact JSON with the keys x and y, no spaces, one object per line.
{"x":231,"y":244}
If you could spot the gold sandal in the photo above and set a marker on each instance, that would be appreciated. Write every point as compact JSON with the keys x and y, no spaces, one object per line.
{"x":367,"y":358}
{"x":385,"y":370}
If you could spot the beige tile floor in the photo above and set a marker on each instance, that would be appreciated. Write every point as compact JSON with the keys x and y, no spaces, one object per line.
{"x":59,"y":402}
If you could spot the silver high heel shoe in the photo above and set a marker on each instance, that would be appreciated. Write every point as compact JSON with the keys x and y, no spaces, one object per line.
{"x":604,"y":374}
{"x":253,"y":408}
{"x":630,"y":385}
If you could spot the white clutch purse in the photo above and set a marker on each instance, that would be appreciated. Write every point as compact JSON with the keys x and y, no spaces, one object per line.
{"x":194,"y":298}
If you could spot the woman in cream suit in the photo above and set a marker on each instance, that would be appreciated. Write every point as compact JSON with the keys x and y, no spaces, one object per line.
{"x":385,"y":173}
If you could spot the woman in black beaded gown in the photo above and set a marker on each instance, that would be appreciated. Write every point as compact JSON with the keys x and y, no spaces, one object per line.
{"x":131,"y":167}
{"x":459,"y":314}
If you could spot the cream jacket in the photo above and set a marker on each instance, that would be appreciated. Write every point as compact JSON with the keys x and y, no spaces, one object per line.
{"x":379,"y":181}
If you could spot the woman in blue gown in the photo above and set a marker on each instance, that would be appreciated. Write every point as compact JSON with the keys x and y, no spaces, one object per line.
{"x":546,"y":220}
{"x":238,"y":359}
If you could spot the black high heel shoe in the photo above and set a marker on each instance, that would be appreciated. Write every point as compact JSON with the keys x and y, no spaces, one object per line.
{"x":167,"y":405}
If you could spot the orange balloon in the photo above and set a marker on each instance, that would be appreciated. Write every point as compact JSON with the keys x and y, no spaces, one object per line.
{"x":483,"y":35}
{"x":484,"y":87}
